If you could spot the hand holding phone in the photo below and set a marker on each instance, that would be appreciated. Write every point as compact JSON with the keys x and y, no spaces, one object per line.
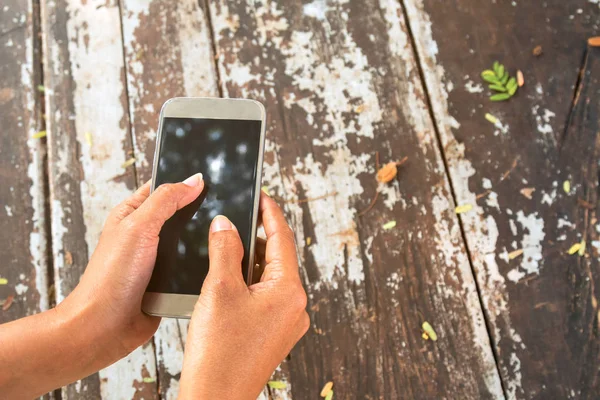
{"x":238,"y":335}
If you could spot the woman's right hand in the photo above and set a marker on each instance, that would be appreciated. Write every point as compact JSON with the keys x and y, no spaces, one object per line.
{"x":238,"y":335}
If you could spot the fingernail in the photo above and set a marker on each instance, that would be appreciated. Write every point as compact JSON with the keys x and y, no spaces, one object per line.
{"x":193,"y":180}
{"x":220,"y":223}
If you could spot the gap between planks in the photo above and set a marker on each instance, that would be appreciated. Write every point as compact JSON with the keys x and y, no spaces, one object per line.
{"x":434,"y":122}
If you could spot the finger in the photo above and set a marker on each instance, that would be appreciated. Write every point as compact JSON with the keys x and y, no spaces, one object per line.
{"x":130,"y":204}
{"x":280,"y":253}
{"x":259,"y":259}
{"x":225,"y":252}
{"x":164,"y":202}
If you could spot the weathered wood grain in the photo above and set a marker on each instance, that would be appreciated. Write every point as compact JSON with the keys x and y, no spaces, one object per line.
{"x":541,"y":306}
{"x":168,"y":54}
{"x":339,"y":82}
{"x":22,"y":216}
{"x":88,"y":141}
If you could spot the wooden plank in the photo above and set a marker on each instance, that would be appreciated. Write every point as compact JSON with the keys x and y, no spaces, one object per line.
{"x":339,"y":82}
{"x":88,"y":140}
{"x":23,"y":231}
{"x":542,"y":305}
{"x":168,"y":54}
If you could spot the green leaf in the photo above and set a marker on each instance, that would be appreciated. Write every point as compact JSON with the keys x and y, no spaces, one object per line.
{"x":41,"y":88}
{"x":329,"y":395}
{"x":3,"y":281}
{"x":488,"y":72}
{"x":389,"y":225}
{"x":429,"y":330}
{"x":497,"y":88}
{"x":496,"y":67}
{"x":39,"y":135}
{"x":512,"y":90}
{"x":501,"y":71}
{"x":491,"y":79}
{"x":504,"y":79}
{"x":500,"y":97}
{"x":149,"y":379}
{"x":511,"y":82}
{"x":277,"y":384}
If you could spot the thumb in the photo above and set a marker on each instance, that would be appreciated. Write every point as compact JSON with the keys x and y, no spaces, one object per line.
{"x":164,"y":202}
{"x":225,"y":252}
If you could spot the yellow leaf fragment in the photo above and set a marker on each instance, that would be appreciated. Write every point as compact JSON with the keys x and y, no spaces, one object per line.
{"x":389,"y":225}
{"x":3,"y":281}
{"x":360,"y":108}
{"x":149,"y":379}
{"x":88,"y":139}
{"x":528,"y":192}
{"x":425,"y":336}
{"x":429,"y":330}
{"x":574,"y":249}
{"x":128,"y":163}
{"x":463,"y":208}
{"x":567,"y":187}
{"x":327,"y":388}
{"x":581,"y":251}
{"x":266,"y":190}
{"x":491,"y":118}
{"x":308,"y":241}
{"x":277,"y":384}
{"x":39,"y":135}
{"x":514,"y":254}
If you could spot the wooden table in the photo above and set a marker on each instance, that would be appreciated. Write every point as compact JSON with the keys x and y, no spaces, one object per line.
{"x":342,"y":81}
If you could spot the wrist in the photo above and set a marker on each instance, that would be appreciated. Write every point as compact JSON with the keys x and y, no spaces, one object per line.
{"x":90,"y":333}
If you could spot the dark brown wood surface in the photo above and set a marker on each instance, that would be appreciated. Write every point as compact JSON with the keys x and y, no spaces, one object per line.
{"x":23,"y":231}
{"x":340,"y":83}
{"x":542,"y":305}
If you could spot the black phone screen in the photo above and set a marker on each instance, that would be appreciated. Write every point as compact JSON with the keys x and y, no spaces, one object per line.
{"x":226,"y":152}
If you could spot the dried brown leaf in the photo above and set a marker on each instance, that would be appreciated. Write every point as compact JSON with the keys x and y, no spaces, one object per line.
{"x":387,"y":172}
{"x":520,"y":78}
{"x":8,"y":302}
{"x":68,"y":258}
{"x":537,"y":51}
{"x":528,"y":192}
{"x":594,"y":41}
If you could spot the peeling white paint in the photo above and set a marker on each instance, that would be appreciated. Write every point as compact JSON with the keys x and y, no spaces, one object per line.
{"x":563,"y":222}
{"x":544,"y":123}
{"x":492,"y":200}
{"x":531,"y":244}
{"x":8,"y":210}
{"x":21,"y":289}
{"x":473,"y":87}
{"x":548,"y":198}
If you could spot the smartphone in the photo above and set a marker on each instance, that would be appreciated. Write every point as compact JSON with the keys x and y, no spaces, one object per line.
{"x":224,"y":140}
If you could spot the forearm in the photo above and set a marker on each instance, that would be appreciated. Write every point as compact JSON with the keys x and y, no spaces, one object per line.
{"x":49,"y":350}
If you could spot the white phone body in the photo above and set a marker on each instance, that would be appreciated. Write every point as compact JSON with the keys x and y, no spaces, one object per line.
{"x":182,"y":305}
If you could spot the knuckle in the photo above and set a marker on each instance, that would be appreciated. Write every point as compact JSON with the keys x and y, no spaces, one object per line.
{"x":165,"y":190}
{"x":304,"y":323}
{"x":298,"y":299}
